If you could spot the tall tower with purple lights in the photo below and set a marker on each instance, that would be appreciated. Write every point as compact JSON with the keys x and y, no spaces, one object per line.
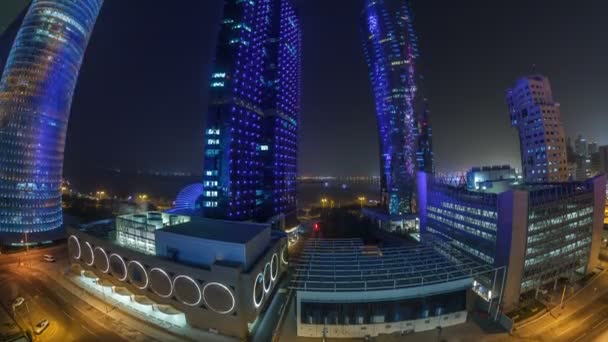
{"x":390,"y":48}
{"x":282,"y":93}
{"x":36,"y":91}
{"x":252,"y":123}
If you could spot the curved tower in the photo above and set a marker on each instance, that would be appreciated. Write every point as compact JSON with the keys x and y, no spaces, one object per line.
{"x":35,"y":98}
{"x":390,"y":51}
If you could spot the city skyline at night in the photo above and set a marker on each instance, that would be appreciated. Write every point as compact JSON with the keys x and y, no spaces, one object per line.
{"x":465,"y":89}
{"x":291,"y":170}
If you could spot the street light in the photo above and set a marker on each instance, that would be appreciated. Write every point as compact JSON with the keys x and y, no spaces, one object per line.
{"x":361,"y":200}
{"x":323,"y":202}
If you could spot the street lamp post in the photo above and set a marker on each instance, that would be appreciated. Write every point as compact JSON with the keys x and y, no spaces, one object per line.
{"x":561,"y":304}
{"x":361,"y":200}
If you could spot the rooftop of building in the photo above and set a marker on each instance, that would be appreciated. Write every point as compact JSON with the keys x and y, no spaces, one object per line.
{"x":571,"y":187}
{"x":332,"y":265}
{"x":218,"y":230}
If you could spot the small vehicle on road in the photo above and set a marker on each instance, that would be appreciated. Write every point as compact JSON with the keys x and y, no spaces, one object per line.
{"x":39,"y":328}
{"x":48,"y":258}
{"x":18,"y":301}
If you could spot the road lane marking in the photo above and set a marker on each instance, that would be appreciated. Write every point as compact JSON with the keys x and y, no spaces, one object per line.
{"x":580,"y":321}
{"x":599,"y":323}
{"x":89,"y":331}
{"x":580,"y":337}
{"x":65,"y":313}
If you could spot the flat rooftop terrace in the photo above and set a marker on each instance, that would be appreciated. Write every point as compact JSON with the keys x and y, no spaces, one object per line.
{"x":218,"y":230}
{"x":331,"y":265}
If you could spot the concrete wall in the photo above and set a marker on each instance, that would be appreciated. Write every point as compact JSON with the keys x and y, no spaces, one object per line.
{"x":197,"y":251}
{"x":599,"y":202}
{"x":511,"y":242}
{"x":422,"y":188}
{"x":362,"y":330}
{"x":186,"y":283}
{"x":256,"y":247}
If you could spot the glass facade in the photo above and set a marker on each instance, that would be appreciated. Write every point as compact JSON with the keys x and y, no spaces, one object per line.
{"x":560,"y":226}
{"x":283,"y":68}
{"x":390,"y":50}
{"x":556,"y":227}
{"x":468,"y":221}
{"x":35,"y":98}
{"x":137,"y":231}
{"x":382,"y":311}
{"x":252,"y":123}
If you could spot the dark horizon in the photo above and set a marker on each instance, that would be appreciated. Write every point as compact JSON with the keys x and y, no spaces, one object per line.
{"x":141,"y":97}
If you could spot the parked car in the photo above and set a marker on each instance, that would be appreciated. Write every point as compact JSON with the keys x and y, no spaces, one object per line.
{"x":39,"y":328}
{"x":18,"y":301}
{"x":48,"y":258}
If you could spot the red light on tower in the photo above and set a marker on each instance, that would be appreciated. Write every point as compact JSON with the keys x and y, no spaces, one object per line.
{"x":316,"y":227}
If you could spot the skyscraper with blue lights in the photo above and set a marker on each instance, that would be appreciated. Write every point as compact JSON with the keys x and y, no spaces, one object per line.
{"x":390,"y":48}
{"x":252,"y":122}
{"x":282,"y":78}
{"x":35,"y":98}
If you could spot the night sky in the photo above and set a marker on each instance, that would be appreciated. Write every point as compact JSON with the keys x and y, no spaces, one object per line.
{"x":141,"y":98}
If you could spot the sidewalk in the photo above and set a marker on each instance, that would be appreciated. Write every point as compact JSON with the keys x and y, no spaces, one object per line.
{"x":129,"y":323}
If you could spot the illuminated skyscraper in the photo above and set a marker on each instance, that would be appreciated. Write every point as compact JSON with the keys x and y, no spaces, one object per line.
{"x":35,"y":98}
{"x":281,"y":103}
{"x":390,"y":50}
{"x":251,"y":135}
{"x":542,"y":140}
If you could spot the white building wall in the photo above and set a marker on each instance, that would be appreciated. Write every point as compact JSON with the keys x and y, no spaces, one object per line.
{"x":362,"y":330}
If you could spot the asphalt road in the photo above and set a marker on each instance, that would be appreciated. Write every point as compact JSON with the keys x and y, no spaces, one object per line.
{"x":579,"y":322}
{"x":42,"y":301}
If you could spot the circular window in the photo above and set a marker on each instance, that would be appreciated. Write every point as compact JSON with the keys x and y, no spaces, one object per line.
{"x":161,"y":283}
{"x":218,"y":298}
{"x":258,"y":290}
{"x":101,"y":260}
{"x":267,"y":279}
{"x":284,"y":256}
{"x":118,"y":267}
{"x":87,"y":254}
{"x":187,"y":290}
{"x":137,"y":274}
{"x":74,"y":247}
{"x":274,"y":267}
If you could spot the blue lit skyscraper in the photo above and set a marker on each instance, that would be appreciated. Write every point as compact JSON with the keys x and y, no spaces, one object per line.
{"x":35,"y":98}
{"x":251,"y":135}
{"x":282,"y":78}
{"x":390,"y":50}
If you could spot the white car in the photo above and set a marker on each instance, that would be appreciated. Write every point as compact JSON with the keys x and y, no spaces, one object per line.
{"x":39,"y":328}
{"x":18,"y":301}
{"x":48,"y":258}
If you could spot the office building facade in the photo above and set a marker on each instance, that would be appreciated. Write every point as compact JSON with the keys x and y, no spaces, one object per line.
{"x":542,"y":140}
{"x":36,"y":91}
{"x":252,"y":122}
{"x":390,"y":49}
{"x":192,"y":272}
{"x":281,"y":104}
{"x":541,"y":233}
{"x":345,"y":289}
